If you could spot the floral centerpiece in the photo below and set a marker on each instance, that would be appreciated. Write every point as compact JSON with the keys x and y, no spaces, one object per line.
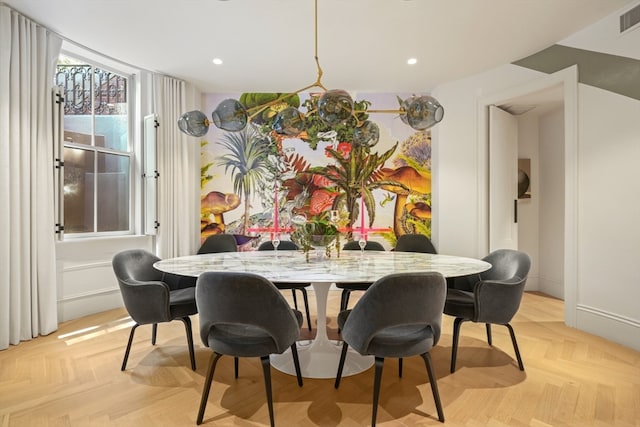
{"x":318,"y":233}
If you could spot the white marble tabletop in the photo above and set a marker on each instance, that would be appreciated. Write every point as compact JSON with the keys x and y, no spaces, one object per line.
{"x":319,"y":358}
{"x":351,"y":266}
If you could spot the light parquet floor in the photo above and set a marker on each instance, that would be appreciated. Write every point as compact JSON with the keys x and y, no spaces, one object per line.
{"x":73,"y":378}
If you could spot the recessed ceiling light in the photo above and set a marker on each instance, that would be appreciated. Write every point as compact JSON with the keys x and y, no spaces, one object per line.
{"x":412,"y":61}
{"x":217,"y":61}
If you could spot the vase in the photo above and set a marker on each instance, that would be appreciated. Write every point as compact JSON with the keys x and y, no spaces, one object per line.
{"x":320,"y":242}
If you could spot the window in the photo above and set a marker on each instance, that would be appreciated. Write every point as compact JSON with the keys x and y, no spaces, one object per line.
{"x":96,"y":153}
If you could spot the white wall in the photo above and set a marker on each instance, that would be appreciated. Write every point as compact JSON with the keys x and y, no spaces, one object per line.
{"x":609,"y":212}
{"x":456,"y":159}
{"x":86,"y":283}
{"x":608,"y":134}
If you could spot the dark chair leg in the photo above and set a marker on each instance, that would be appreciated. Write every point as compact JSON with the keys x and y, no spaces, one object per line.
{"x":187,"y":326}
{"x":306,"y":307}
{"x":207,"y":386}
{"x":266,"y":369}
{"x":296,"y":363}
{"x":343,"y":356}
{"x":376,"y":389}
{"x":454,"y":347}
{"x":434,"y":386}
{"x":236,"y":366}
{"x":154,"y":333}
{"x":515,"y":346}
{"x":400,"y":367}
{"x":126,"y":352}
{"x":295,"y":299}
{"x":489,"y":338}
{"x":344,"y":299}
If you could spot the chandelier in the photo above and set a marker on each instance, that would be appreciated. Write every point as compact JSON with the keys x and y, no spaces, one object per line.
{"x":334,"y":107}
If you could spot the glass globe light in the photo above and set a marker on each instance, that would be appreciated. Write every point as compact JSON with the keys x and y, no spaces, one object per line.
{"x":194,"y":123}
{"x":289,"y":122}
{"x":230,"y":115}
{"x":421,"y":112}
{"x":335,"y":107}
{"x":366,"y":135}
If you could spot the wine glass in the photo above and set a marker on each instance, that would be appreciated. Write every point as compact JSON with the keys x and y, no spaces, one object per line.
{"x":362,"y":242}
{"x":275,"y":242}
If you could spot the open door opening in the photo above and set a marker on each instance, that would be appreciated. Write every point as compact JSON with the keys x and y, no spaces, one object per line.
{"x":529,"y":127}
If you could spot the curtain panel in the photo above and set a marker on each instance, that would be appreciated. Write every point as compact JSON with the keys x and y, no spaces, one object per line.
{"x":179,"y":169}
{"x":28,"y":54}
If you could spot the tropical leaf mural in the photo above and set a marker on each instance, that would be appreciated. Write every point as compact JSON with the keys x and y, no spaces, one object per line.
{"x":319,"y":170}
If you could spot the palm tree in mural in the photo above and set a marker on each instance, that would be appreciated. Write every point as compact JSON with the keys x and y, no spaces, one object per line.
{"x":356,"y":175}
{"x":247,"y":162}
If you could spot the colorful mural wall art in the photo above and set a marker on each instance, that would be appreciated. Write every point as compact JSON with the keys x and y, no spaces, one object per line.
{"x":257,"y":183}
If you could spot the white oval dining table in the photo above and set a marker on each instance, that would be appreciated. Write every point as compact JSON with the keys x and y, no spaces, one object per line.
{"x":319,"y":357}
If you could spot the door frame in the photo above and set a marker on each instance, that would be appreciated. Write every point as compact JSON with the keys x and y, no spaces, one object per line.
{"x":569,"y":79}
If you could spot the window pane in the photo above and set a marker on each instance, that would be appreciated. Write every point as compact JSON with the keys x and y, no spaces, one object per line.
{"x":110,"y":104}
{"x":112,"y":132}
{"x":75,"y":81}
{"x":78,"y":190}
{"x":96,"y":184}
{"x":113,"y":192}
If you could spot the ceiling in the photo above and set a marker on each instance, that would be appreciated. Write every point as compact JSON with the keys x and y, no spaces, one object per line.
{"x":362,"y":45}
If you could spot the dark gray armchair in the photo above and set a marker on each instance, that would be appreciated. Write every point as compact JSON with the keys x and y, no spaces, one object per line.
{"x":151,"y":296}
{"x":288,"y":245}
{"x":219,"y":243}
{"x":347,"y":288}
{"x":245,"y":315}
{"x":491,"y":297}
{"x":400,"y":315}
{"x":415,"y":243}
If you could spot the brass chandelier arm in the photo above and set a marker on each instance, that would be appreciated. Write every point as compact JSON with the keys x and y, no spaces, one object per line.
{"x":334,"y":108}
{"x":398,"y":111}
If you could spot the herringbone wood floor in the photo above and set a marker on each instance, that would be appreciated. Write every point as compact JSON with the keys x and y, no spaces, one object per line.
{"x":73,"y":378}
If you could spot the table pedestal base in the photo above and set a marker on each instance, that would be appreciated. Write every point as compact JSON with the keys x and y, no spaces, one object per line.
{"x":320,"y":359}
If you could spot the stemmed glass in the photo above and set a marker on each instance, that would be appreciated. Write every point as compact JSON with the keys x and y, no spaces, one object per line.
{"x":275,"y":242}
{"x":362,"y":242}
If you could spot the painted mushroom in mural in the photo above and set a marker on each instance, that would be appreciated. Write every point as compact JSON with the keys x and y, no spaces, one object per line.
{"x":419,"y":210}
{"x":212,"y":208}
{"x":413,"y":183}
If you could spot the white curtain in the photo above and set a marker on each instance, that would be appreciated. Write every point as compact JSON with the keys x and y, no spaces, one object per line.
{"x":28,"y":54}
{"x":179,"y":169}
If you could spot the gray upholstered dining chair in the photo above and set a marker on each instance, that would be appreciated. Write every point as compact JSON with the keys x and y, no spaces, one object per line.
{"x":219,"y":243}
{"x":415,"y":243}
{"x":288,"y":245}
{"x":347,"y":288}
{"x":491,"y":297}
{"x":151,"y":296}
{"x":400,"y":315}
{"x":245,"y":315}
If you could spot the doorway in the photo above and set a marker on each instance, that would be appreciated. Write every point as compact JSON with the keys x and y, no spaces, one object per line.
{"x":537,"y":161}
{"x":547,"y":222}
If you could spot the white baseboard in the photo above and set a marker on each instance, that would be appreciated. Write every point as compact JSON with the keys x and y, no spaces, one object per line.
{"x":84,"y":304}
{"x":611,"y":326}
